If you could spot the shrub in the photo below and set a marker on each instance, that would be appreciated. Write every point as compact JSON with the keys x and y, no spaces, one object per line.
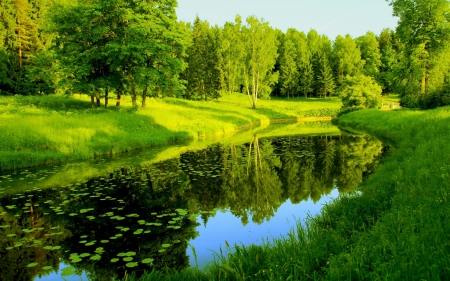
{"x":361,"y":91}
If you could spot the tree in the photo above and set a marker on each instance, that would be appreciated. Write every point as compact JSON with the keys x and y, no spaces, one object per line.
{"x":303,"y":61}
{"x":370,"y":53}
{"x":346,"y":58}
{"x":138,"y":42}
{"x":22,"y":38}
{"x":233,"y":53}
{"x":424,"y":32}
{"x":319,"y":47}
{"x":261,"y":46}
{"x":360,"y":90}
{"x":289,"y":75}
{"x":204,"y":74}
{"x":148,"y":46}
{"x":325,"y":80}
{"x":389,"y":59}
{"x":306,"y":78}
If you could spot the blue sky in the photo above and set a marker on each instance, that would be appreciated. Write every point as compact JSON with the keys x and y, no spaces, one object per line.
{"x":329,"y":17}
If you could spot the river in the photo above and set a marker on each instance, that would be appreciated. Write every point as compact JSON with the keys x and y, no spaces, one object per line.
{"x":174,"y":207}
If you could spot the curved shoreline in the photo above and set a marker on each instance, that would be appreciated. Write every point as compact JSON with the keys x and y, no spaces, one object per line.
{"x":167,"y":141}
{"x":377,"y":233}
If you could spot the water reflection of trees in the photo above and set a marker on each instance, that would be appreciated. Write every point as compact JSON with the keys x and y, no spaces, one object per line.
{"x":250,"y":180}
{"x":147,"y":198}
{"x":256,"y":178}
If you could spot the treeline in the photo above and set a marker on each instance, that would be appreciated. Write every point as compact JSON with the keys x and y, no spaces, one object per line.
{"x":97,"y":47}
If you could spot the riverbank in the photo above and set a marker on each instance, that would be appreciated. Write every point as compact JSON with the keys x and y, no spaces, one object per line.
{"x":398,"y":228}
{"x":54,"y":129}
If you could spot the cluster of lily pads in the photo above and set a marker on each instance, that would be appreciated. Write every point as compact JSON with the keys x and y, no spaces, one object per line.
{"x":52,"y":203}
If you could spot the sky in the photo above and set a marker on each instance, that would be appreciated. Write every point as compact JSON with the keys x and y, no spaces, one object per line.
{"x":329,"y":17}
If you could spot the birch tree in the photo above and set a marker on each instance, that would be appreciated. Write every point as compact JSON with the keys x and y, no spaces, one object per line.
{"x":261,"y":45}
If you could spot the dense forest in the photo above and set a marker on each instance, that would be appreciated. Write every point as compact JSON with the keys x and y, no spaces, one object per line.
{"x":139,"y":48}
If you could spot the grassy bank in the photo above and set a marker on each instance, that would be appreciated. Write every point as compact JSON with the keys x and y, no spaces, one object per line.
{"x":398,"y":228}
{"x":53,"y":129}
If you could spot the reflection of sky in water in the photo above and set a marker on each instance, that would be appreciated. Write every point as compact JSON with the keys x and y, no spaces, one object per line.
{"x":225,"y":226}
{"x":57,"y":276}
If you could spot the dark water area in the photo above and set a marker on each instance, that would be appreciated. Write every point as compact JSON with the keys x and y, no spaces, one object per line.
{"x":142,"y":217}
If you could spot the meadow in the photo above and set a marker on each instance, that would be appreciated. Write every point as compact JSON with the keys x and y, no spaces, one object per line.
{"x":54,"y":129}
{"x":396,"y":228}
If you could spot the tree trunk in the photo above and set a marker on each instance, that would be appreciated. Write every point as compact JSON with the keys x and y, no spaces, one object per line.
{"x":119,"y":97}
{"x":133,"y":89}
{"x":106,"y":97}
{"x":19,"y":43}
{"x":97,"y":96}
{"x":92,"y":101}
{"x":144,"y":96}
{"x":424,"y":83}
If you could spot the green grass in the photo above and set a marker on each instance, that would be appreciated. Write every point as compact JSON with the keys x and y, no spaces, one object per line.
{"x":397,"y":228}
{"x":53,"y":129}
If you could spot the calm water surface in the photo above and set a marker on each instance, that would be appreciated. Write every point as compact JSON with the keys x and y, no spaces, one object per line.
{"x":129,"y":217}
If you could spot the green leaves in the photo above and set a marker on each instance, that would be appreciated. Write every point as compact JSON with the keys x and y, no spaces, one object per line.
{"x":360,"y":90}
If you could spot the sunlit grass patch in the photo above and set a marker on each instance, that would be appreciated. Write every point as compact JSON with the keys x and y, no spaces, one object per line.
{"x":51,"y":129}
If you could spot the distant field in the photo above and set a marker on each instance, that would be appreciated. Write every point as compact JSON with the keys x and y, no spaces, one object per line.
{"x":52,"y":129}
{"x":390,"y":101}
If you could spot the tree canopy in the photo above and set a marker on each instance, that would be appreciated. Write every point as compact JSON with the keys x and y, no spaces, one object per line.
{"x":140,"y":48}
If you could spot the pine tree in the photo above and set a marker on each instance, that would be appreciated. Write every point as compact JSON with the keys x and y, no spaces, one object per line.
{"x":325,"y":79}
{"x":289,"y":75}
{"x":306,"y":78}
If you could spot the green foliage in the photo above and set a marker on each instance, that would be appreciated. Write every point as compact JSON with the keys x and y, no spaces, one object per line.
{"x":233,"y":52}
{"x":389,"y":59}
{"x":138,"y":43}
{"x":424,"y":32}
{"x":22,"y":40}
{"x":204,"y":76}
{"x":346,"y":58}
{"x":288,"y":72}
{"x":261,"y":44}
{"x":346,"y":110}
{"x":360,"y":90}
{"x":370,"y":53}
{"x":325,"y":79}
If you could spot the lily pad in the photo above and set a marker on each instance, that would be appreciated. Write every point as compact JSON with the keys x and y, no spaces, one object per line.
{"x":33,"y":264}
{"x":149,"y":260}
{"x":131,"y":264}
{"x":68,"y":271}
